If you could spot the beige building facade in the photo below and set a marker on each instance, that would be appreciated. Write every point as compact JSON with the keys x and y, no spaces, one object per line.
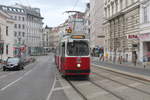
{"x":144,"y":36}
{"x":96,"y":23}
{"x":87,"y":20}
{"x":122,"y":29}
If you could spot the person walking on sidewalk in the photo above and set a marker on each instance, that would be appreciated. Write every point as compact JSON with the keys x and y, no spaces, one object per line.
{"x":106,"y":56}
{"x":134,"y":58}
{"x":145,"y":60}
{"x":101,"y":54}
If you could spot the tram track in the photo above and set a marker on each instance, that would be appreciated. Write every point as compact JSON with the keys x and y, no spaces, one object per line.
{"x":107,"y":90}
{"x":124,"y":76}
{"x":118,"y":97}
{"x":123,"y":84}
{"x":77,"y":90}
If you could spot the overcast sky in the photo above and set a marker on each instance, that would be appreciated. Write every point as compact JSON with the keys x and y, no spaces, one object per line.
{"x":51,"y":10}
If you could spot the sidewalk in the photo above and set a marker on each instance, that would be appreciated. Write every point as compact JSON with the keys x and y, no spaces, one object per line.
{"x":129,"y":64}
{"x":126,"y":67}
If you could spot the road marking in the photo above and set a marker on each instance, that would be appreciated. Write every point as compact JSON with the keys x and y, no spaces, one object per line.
{"x":61,"y":88}
{"x":10,"y":84}
{"x":51,"y":91}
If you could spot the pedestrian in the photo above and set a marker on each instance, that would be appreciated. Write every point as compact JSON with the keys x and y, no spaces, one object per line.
{"x":134,"y":58}
{"x":120,"y":59}
{"x":101,"y":54}
{"x":145,"y":60}
{"x":106,"y":56}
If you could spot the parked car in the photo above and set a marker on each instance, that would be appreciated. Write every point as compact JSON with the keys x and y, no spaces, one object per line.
{"x":13,"y":63}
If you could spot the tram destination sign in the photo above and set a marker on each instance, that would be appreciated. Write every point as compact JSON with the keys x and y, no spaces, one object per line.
{"x":78,"y":37}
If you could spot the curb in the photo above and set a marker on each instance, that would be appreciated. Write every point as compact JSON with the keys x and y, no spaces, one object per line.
{"x":134,"y":75}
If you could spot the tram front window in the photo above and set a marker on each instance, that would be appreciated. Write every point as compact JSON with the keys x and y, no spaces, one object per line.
{"x":78,"y":48}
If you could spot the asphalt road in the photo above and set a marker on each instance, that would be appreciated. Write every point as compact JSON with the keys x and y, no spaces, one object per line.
{"x":35,"y":82}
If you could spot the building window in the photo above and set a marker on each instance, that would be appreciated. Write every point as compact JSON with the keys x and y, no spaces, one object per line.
{"x":106,"y":12}
{"x":116,"y":5}
{"x":19,"y":33}
{"x":121,"y":4}
{"x":145,"y":15}
{"x":112,"y":5}
{"x":22,"y":11}
{"x":19,"y":26}
{"x":10,"y":9}
{"x":15,"y":26}
{"x":15,"y":34}
{"x":23,"y":26}
{"x":4,"y":8}
{"x":23,"y":34}
{"x":22,"y":18}
{"x":7,"y":30}
{"x":18,"y":10}
{"x":7,"y":49}
{"x":14,"y":10}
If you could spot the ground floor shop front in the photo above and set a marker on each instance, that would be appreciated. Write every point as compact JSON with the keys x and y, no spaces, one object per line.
{"x":144,"y":47}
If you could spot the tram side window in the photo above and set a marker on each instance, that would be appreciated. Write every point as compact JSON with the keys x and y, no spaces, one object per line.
{"x":63,"y":49}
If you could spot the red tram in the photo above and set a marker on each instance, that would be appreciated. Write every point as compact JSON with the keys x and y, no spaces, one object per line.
{"x":73,"y":56}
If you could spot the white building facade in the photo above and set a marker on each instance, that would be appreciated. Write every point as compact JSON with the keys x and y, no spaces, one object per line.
{"x":19,"y":30}
{"x":6,"y":36}
{"x":34,"y":30}
{"x":27,"y":28}
{"x":46,"y":38}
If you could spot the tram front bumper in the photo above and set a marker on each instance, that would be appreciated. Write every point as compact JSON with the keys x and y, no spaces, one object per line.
{"x":77,"y":72}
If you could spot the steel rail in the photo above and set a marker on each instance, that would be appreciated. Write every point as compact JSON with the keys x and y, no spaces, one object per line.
{"x":137,"y":89}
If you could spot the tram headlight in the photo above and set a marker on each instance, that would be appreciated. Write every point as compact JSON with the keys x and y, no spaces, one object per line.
{"x":78,"y":65}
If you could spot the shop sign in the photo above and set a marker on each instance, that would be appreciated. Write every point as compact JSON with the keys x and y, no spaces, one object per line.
{"x":132,"y":36}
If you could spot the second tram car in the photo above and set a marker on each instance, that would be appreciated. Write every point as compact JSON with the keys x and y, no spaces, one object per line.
{"x":73,"y":55}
